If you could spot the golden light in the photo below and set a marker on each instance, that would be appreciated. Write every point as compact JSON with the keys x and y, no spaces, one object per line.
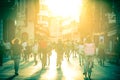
{"x":51,"y":73}
{"x":53,"y":58}
{"x":65,"y":8}
{"x":71,"y":70}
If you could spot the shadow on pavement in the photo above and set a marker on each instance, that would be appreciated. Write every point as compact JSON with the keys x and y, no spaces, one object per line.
{"x":26,"y":64}
{"x":60,"y":74}
{"x":38,"y":74}
{"x":11,"y":78}
{"x":106,"y":66}
{"x":87,"y":79}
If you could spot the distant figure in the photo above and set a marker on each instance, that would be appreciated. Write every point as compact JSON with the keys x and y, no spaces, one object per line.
{"x":59,"y":50}
{"x":101,"y":52}
{"x":89,"y":51}
{"x":44,"y":45}
{"x":117,"y":51}
{"x":28,"y":51}
{"x":81,"y":52}
{"x":35,"y":51}
{"x":16,"y":52}
{"x":7,"y":45}
{"x":24,"y":44}
{"x":1,"y":52}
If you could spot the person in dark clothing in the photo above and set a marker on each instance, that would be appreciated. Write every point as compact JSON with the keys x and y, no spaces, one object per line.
{"x":101,"y":52}
{"x":44,"y":47}
{"x":49,"y":51}
{"x":27,"y":52}
{"x":1,"y":52}
{"x":117,"y":51}
{"x":35,"y":51}
{"x":16,"y":52}
{"x":40,"y":50}
{"x":59,"y":50}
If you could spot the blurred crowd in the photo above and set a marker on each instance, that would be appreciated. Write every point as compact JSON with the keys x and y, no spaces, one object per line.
{"x":41,"y":50}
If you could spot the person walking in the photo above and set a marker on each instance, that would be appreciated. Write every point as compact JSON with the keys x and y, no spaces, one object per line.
{"x":116,"y":50}
{"x":101,"y":52}
{"x":1,"y":52}
{"x":35,"y":51}
{"x":27,"y":52}
{"x":44,"y":49}
{"x":7,"y":45}
{"x":89,"y":51}
{"x":59,"y":50}
{"x":23,"y":44}
{"x":16,"y":52}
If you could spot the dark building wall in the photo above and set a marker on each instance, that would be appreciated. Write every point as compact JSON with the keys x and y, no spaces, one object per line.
{"x":8,"y":29}
{"x":7,"y":15}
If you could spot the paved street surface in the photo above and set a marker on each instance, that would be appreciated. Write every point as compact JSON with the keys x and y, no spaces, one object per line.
{"x":69,"y":71}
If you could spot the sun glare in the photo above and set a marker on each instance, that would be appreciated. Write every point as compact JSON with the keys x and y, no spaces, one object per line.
{"x":53,"y":60}
{"x":65,"y":8}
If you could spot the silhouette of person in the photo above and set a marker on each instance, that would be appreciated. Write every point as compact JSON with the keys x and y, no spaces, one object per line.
{"x":1,"y":52}
{"x":16,"y":52}
{"x":101,"y":52}
{"x":44,"y":46}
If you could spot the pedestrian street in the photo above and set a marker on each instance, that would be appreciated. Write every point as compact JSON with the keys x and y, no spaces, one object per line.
{"x":69,"y":71}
